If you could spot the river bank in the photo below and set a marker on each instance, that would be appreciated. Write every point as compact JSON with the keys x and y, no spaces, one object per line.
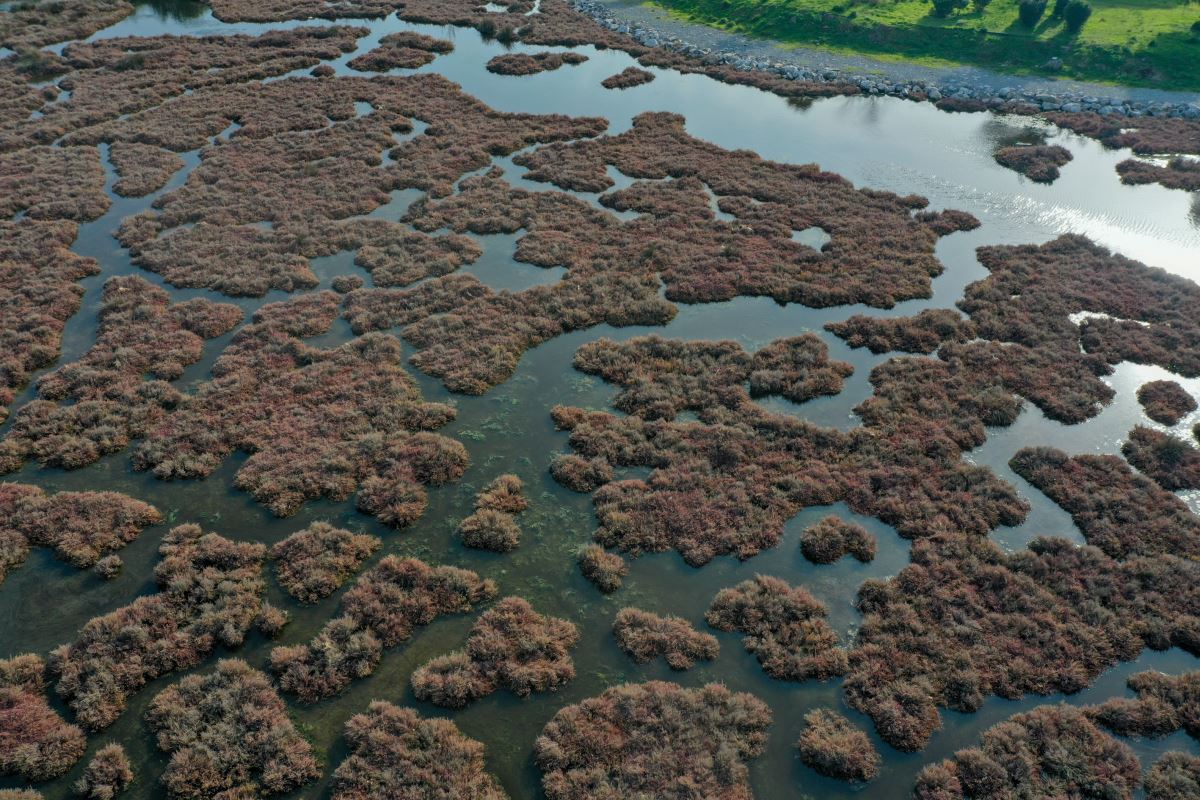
{"x":654,"y":26}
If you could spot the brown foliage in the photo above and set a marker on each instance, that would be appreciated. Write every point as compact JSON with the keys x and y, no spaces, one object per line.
{"x":504,"y":493}
{"x":142,"y":168}
{"x":313,"y":563}
{"x":653,"y":739}
{"x":602,"y":568}
{"x":397,"y":755}
{"x":1119,"y":511}
{"x":488,"y":529}
{"x":229,"y":736}
{"x":833,"y":537}
{"x":38,"y":294}
{"x":1164,"y":704}
{"x":1052,"y":751}
{"x":1179,"y":173}
{"x":511,"y":647}
{"x":1174,"y":776}
{"x":627,"y":78}
{"x":80,"y":526}
{"x":279,"y":10}
{"x":1146,"y":135}
{"x":118,"y":389}
{"x":53,"y":183}
{"x":1165,"y":402}
{"x":924,"y":333}
{"x":645,"y":637}
{"x":404,"y":49}
{"x":41,"y":23}
{"x":209,"y":593}
{"x":580,"y":474}
{"x":318,"y":423}
{"x":35,"y":742}
{"x":107,"y":774}
{"x":1169,"y":460}
{"x":832,"y":746}
{"x":1036,"y":162}
{"x":532,"y":63}
{"x":380,"y":610}
{"x":784,"y":627}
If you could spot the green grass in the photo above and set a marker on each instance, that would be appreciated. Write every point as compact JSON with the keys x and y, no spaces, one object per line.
{"x":1134,"y":42}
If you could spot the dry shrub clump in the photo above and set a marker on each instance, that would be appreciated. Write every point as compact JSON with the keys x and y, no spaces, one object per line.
{"x":313,"y":563}
{"x":627,"y":78}
{"x":1144,"y":135}
{"x":832,"y":746}
{"x":403,"y":49}
{"x":964,"y":621}
{"x":784,"y":627}
{"x":661,"y":377}
{"x":1171,"y":461}
{"x":1164,"y":705}
{"x":653,"y":739}
{"x":511,"y":647}
{"x":833,"y":537}
{"x":380,"y":610}
{"x":229,"y":736}
{"x":604,"y":569}
{"x":317,"y":423}
{"x":210,"y":592}
{"x":1117,"y":510}
{"x":645,"y":637}
{"x":923,"y":333}
{"x":118,"y":389}
{"x":107,"y":774}
{"x":280,"y":10}
{"x":35,"y":742}
{"x":397,"y":755}
{"x":1165,"y":402}
{"x":492,"y":526}
{"x":1052,"y":751}
{"x":1179,"y":173}
{"x":80,"y":526}
{"x":1174,"y":776}
{"x":532,"y":63}
{"x":142,"y":168}
{"x":38,"y":294}
{"x":299,"y":176}
{"x":43,"y":22}
{"x":21,"y":794}
{"x":1037,"y":162}
{"x":580,"y":474}
{"x":53,"y":183}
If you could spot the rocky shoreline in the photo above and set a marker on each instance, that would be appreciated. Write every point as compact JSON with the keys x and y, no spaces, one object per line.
{"x":1067,"y":100}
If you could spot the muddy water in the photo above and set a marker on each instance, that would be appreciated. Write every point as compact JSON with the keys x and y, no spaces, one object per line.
{"x":883,"y":143}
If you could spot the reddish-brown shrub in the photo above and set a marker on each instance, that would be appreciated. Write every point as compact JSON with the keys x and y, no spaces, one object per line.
{"x":511,"y":647}
{"x":316,"y":422}
{"x":142,"y":168}
{"x":580,"y":474}
{"x":488,"y":529}
{"x":380,"y":610}
{"x":20,"y":794}
{"x":602,"y":568}
{"x":1119,"y":511}
{"x":118,"y":389}
{"x":403,"y":49}
{"x":833,"y":537}
{"x":38,"y":24}
{"x":1174,"y":776}
{"x":344,"y":284}
{"x":505,"y":493}
{"x":784,"y":627}
{"x":108,"y":567}
{"x":53,"y":183}
{"x":313,"y":563}
{"x":924,"y":333}
{"x":35,"y":742}
{"x":1036,"y":162}
{"x":79,"y":526}
{"x":645,"y":637}
{"x":1179,"y":173}
{"x":650,"y":739}
{"x":1146,"y":135}
{"x":1165,"y":402}
{"x":627,"y":78}
{"x":1052,"y":751}
{"x":229,"y":735}
{"x":532,"y":63}
{"x":1164,"y":704}
{"x":1169,"y":460}
{"x":107,"y":774}
{"x":209,"y":594}
{"x":397,"y":755}
{"x":832,"y":746}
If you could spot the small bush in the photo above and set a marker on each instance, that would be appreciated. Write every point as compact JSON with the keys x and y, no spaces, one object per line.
{"x":107,"y":774}
{"x":1030,"y":11}
{"x":487,"y":529}
{"x":645,"y":636}
{"x":944,"y":8}
{"x":108,"y":567}
{"x":832,"y":746}
{"x":602,"y":568}
{"x":1077,"y":13}
{"x":832,"y":538}
{"x":1175,"y":776}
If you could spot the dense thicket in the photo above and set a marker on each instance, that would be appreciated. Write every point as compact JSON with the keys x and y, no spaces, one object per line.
{"x":532,"y":63}
{"x":403,"y":49}
{"x":35,"y":742}
{"x":1165,"y":402}
{"x":1036,"y":162}
{"x":1174,"y":776}
{"x":1171,"y":461}
{"x":492,"y":526}
{"x":832,"y":746}
{"x":1164,"y":704}
{"x":833,"y":537}
{"x":645,"y":636}
{"x":313,"y":563}
{"x":35,"y":25}
{"x":107,"y":775}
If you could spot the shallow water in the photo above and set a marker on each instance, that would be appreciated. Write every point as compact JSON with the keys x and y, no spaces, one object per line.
{"x":878,"y":142}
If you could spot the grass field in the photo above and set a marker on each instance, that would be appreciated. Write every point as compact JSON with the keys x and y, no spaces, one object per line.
{"x":1135,"y":42}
